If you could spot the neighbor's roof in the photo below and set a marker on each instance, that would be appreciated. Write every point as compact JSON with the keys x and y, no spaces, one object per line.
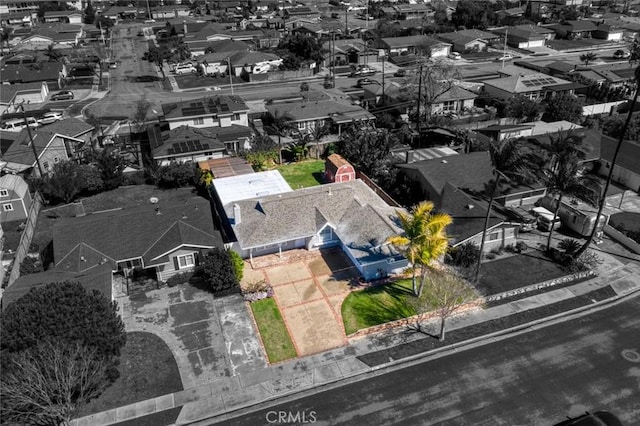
{"x":245,"y":186}
{"x":422,"y":154}
{"x":408,"y":41}
{"x":470,"y":171}
{"x":629,"y":156}
{"x":33,"y":72}
{"x":455,"y":93}
{"x":10,"y":90}
{"x":523,"y":84}
{"x":70,"y":126}
{"x":361,"y":219}
{"x":306,"y":111}
{"x":15,"y":184}
{"x":229,"y":46}
{"x":97,"y":278}
{"x":241,"y":58}
{"x":226,"y":167}
{"x":184,"y":140}
{"x":148,"y":231}
{"x":232,"y":133}
{"x":466,"y":36}
{"x":591,"y":138}
{"x":20,"y":151}
{"x":211,"y":106}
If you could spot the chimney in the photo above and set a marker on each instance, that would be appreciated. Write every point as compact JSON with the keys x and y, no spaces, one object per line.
{"x":236,"y":214}
{"x":409,"y":157}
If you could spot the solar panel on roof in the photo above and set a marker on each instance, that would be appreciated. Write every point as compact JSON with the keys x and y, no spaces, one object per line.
{"x":176,"y":148}
{"x":170,"y":151}
{"x":224,"y":108}
{"x":205,"y":146}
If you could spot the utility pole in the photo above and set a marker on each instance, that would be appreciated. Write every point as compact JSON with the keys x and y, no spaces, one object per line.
{"x":333,"y":59}
{"x":383,"y":56}
{"x":419,"y":100}
{"x":229,"y":71}
{"x":33,"y":146}
{"x":346,"y":21}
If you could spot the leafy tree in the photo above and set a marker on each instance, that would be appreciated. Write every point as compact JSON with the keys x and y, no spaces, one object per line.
{"x":65,"y":183}
{"x":464,"y":255}
{"x":104,"y":22}
{"x":613,"y":126}
{"x":423,"y":239}
{"x":299,"y":149}
{"x":280,"y":124}
{"x":508,"y":162}
{"x":218,"y":271}
{"x":444,"y":294}
{"x":64,"y":312}
{"x":386,"y":28}
{"x":89,"y":13}
{"x":472,"y":14}
{"x":176,"y":175}
{"x":369,"y":150}
{"x":562,"y":171}
{"x":49,"y":382}
{"x":205,"y":177}
{"x":588,"y":57}
{"x":142,"y":107}
{"x":110,"y":167}
{"x":563,"y":107}
{"x":93,"y":182}
{"x":303,"y":47}
{"x":30,"y":265}
{"x":522,"y":108}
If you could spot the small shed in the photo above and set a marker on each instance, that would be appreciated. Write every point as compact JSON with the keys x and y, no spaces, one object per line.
{"x":337,"y":169}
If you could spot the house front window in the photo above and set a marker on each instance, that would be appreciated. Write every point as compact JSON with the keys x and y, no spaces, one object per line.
{"x":236,"y":117}
{"x":198,"y":121}
{"x":45,"y":165}
{"x":4,"y":193}
{"x":186,"y":261}
{"x":494,"y":236}
{"x":449,"y":106}
{"x":301,"y":126}
{"x":7,"y":207}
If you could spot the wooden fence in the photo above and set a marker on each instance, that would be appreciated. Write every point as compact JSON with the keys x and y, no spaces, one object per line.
{"x":25,"y":238}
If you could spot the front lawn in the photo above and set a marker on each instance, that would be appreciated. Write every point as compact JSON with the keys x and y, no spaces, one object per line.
{"x":626,"y":220}
{"x":147,"y":370}
{"x":275,"y":337}
{"x":377,"y":305}
{"x":303,"y":174}
{"x":517,"y":271}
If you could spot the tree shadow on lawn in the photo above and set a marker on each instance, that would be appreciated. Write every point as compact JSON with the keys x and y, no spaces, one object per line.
{"x":319,"y":177}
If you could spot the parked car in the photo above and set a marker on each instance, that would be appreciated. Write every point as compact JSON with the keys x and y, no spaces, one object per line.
{"x":363,"y":72}
{"x":364,"y":81}
{"x":17,"y":124}
{"x":526,"y":220}
{"x":50,"y":117}
{"x":186,"y":68}
{"x":113,"y":64}
{"x":454,"y":55}
{"x":505,"y":57}
{"x":545,"y":220}
{"x":621,"y":54}
{"x":400,"y":73}
{"x":62,"y":96}
{"x":599,"y":418}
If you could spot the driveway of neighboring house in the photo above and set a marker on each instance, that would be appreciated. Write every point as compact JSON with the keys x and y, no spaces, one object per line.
{"x":211,"y":338}
{"x":309,"y":293}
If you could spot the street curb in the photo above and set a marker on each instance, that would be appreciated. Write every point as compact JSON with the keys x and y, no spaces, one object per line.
{"x":424,"y":356}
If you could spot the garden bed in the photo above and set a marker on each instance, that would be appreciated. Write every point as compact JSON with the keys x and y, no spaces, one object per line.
{"x":628,"y":223}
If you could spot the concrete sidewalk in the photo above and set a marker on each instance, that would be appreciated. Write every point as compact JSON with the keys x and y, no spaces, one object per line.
{"x":221,"y":398}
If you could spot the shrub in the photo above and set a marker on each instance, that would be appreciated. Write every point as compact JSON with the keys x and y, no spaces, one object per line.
{"x":256,"y":290}
{"x":134,"y":178}
{"x":255,"y":286}
{"x":569,"y":246}
{"x":218,"y":271}
{"x":465,"y":255}
{"x":238,"y":264}
{"x":521,"y":246}
{"x":496,"y":250}
{"x":179,"y":279}
{"x":30,"y":265}
{"x":490,"y":255}
{"x":510,"y":248}
{"x":586,"y":262}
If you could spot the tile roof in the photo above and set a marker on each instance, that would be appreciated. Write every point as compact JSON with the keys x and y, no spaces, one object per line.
{"x":98,"y":278}
{"x":147,"y":231}
{"x":361,"y":219}
{"x":470,"y":171}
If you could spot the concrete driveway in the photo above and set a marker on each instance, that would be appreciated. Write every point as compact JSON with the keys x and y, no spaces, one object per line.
{"x":210,"y":338}
{"x":309,"y":293}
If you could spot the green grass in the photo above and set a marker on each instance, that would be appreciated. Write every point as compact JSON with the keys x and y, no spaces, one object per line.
{"x":303,"y":174}
{"x":377,"y":305}
{"x":147,"y":370}
{"x":274,"y":333}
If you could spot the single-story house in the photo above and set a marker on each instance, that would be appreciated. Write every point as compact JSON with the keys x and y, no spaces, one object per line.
{"x":574,"y":29}
{"x":337,"y":169}
{"x":66,"y":16}
{"x":454,"y":100}
{"x":410,"y":44}
{"x":183,"y":144}
{"x":12,"y":95}
{"x":168,"y":12}
{"x":254,"y":62}
{"x":608,"y":32}
{"x":468,"y":40}
{"x":50,"y":72}
{"x":161,"y":237}
{"x":522,"y":38}
{"x":15,"y":198}
{"x":533,"y":86}
{"x":347,"y":214}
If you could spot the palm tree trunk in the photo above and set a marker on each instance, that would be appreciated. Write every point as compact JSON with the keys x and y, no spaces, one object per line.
{"x":442,"y":328}
{"x":280,"y":148}
{"x":555,"y":216}
{"x":603,"y":196}
{"x":423,"y":278}
{"x":413,"y":278}
{"x":486,"y":225}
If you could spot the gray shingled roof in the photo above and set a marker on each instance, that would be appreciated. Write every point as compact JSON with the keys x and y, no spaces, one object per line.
{"x":361,"y":219}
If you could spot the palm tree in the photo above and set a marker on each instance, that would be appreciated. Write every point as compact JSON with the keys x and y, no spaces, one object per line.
{"x":511,"y":164}
{"x":588,"y":57}
{"x":603,"y":194}
{"x":423,"y":241}
{"x":280,"y":124}
{"x":562,"y":171}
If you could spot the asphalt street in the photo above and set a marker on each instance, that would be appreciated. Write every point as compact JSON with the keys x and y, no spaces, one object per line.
{"x":537,"y":378}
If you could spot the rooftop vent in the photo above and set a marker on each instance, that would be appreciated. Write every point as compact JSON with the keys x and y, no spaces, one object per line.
{"x":469,"y":206}
{"x":443,"y":161}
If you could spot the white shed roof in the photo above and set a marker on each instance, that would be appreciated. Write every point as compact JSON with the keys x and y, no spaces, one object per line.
{"x":243,"y":187}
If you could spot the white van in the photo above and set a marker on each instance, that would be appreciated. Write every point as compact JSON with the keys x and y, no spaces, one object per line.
{"x":17,"y":124}
{"x":545,"y":219}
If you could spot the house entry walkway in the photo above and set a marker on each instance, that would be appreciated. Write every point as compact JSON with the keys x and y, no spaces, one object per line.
{"x":309,"y":292}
